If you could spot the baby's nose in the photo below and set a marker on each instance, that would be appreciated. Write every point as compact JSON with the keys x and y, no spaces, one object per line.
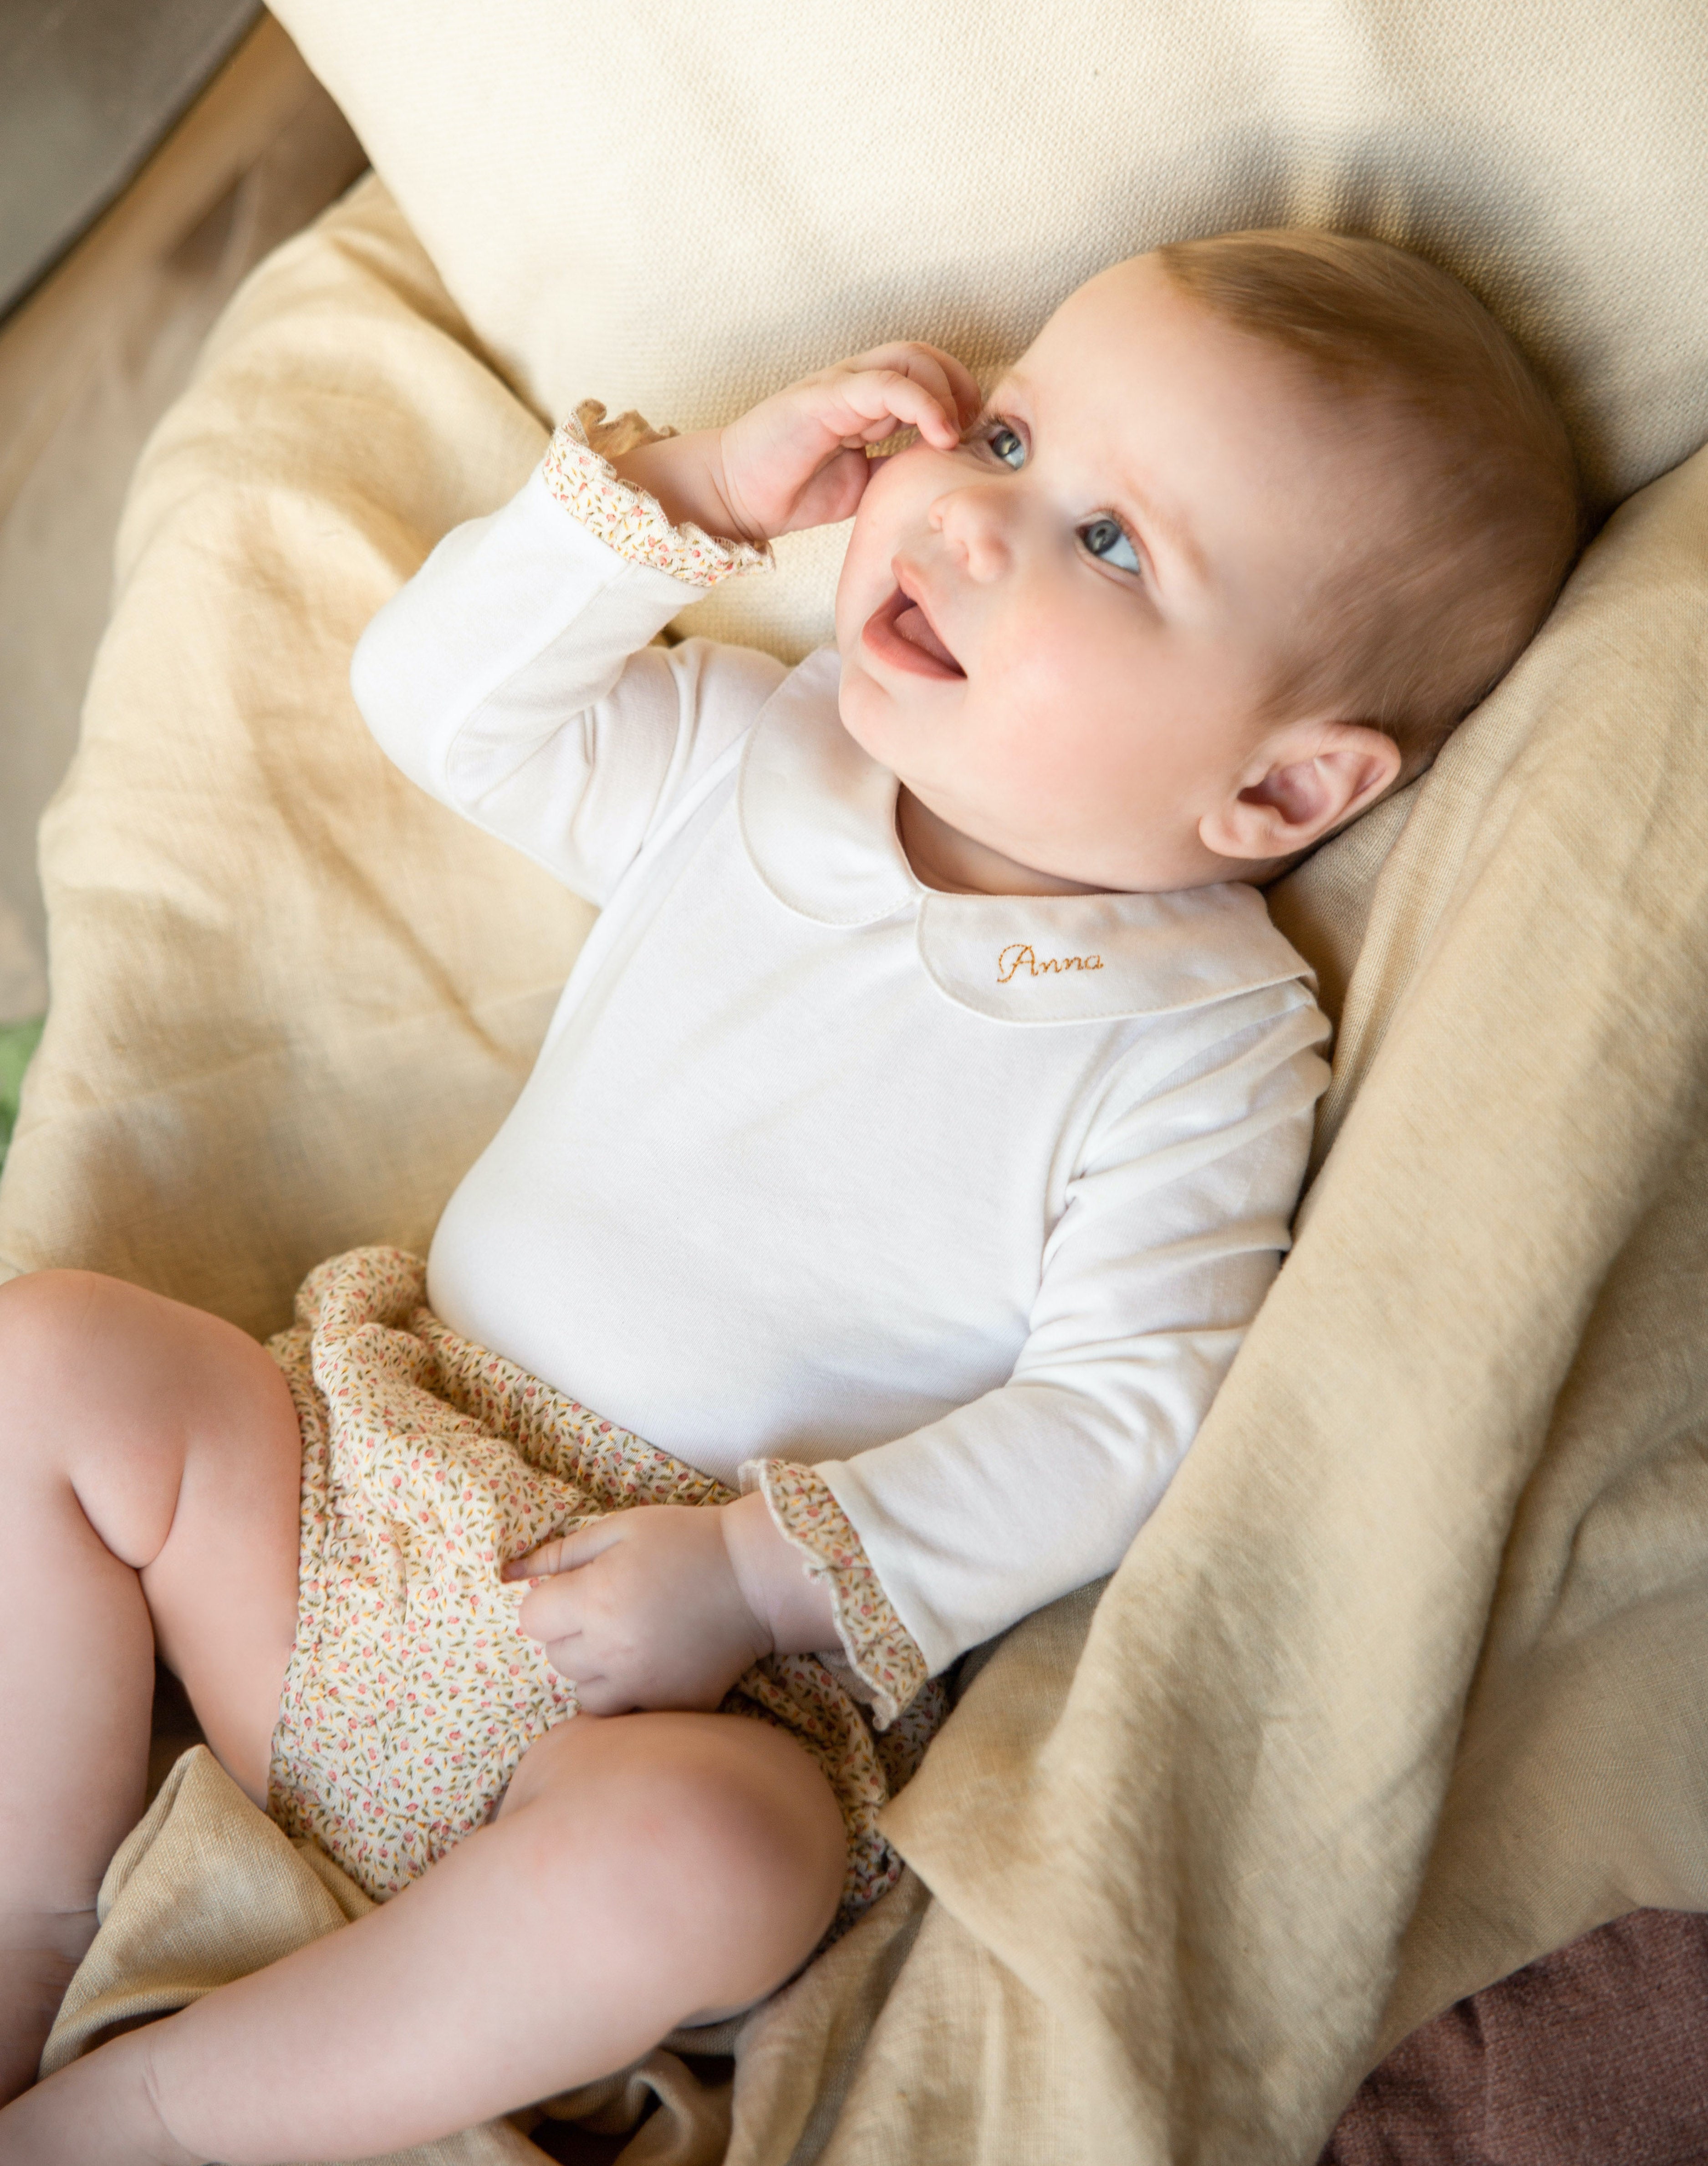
{"x":974,"y":521}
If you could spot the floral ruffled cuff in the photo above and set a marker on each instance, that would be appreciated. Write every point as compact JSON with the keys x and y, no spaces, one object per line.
{"x":882,"y":1654}
{"x":579,"y":473}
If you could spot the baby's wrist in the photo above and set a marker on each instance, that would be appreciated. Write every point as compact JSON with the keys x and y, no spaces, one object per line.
{"x":793,"y":1611}
{"x":685,"y":474}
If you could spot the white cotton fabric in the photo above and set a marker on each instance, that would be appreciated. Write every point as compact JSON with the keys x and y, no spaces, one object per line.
{"x":815,"y":1163}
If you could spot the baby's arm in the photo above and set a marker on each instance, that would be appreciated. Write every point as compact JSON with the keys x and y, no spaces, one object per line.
{"x":1176,"y":1220}
{"x":512,"y":676}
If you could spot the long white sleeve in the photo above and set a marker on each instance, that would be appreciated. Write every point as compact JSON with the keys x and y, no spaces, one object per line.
{"x":512,"y":679}
{"x":1175,"y":1225}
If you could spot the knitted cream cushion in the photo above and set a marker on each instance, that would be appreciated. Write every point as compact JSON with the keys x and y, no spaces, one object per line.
{"x":678,"y":208}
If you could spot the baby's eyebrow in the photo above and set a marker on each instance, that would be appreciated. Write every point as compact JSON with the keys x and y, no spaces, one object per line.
{"x":992,"y":399}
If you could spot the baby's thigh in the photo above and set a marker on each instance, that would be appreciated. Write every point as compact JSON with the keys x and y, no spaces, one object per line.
{"x":175,"y":1433}
{"x":719,"y":1828}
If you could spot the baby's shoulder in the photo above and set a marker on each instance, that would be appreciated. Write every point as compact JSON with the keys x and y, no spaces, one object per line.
{"x":1197,"y":1067}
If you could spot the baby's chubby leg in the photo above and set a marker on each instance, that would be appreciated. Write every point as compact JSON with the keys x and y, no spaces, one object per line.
{"x":644,"y":1869}
{"x":149,"y":1463}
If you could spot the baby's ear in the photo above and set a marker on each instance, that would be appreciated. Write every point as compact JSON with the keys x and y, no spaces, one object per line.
{"x":1315,"y":777}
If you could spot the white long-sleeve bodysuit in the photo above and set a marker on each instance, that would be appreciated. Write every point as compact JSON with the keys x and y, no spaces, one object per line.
{"x":965,"y":1200}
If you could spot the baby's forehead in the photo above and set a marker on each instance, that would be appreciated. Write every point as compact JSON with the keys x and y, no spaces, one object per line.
{"x":1112,"y":339}
{"x":1138,"y":382}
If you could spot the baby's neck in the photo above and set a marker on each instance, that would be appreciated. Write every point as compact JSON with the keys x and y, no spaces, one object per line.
{"x":954,"y":864}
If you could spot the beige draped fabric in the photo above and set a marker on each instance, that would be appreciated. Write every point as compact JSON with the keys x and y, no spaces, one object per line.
{"x":1402,"y":1685}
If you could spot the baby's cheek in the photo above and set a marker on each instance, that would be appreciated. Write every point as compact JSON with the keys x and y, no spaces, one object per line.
{"x":1056,"y":708}
{"x":853,"y":606}
{"x":865,"y":578}
{"x":900,"y":490}
{"x":1036,"y":660}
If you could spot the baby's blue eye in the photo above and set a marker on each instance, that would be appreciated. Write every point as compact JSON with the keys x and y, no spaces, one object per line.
{"x":1007,"y":447}
{"x":1108,"y":543}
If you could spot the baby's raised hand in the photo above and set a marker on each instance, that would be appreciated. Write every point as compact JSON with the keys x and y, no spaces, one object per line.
{"x":642,"y":1609}
{"x":799,"y":458}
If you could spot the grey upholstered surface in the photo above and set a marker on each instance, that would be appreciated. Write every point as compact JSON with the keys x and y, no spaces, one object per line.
{"x":104,"y":348}
{"x":87,"y":87}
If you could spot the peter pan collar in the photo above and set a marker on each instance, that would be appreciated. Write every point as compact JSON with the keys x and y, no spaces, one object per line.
{"x":818,"y":820}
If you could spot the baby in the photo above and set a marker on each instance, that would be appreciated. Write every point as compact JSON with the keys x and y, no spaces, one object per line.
{"x":915,"y":1138}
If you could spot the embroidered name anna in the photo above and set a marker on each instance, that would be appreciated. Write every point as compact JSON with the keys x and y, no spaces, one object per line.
{"x":1019,"y":956}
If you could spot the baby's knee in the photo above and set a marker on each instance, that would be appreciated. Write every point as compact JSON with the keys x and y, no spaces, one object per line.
{"x":46,"y":1333}
{"x":718,"y":1824}
{"x":82,"y":1333}
{"x":753,"y":1812}
{"x":55,"y":1301}
{"x":94,"y":1370}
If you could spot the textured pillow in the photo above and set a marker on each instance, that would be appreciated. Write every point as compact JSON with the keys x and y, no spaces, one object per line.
{"x":677,"y":207}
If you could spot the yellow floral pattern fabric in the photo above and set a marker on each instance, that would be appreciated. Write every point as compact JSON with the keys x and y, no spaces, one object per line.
{"x":626,"y":519}
{"x":882,"y":1653}
{"x":428,"y":1463}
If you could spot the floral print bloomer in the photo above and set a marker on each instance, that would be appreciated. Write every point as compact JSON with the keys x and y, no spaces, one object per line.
{"x":411,"y":1695}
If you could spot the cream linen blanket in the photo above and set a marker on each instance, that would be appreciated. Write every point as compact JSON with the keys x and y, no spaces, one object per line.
{"x":1401,"y":1686}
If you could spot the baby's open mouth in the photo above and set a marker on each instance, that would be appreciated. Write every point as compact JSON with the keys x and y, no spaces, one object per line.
{"x":900,"y":631}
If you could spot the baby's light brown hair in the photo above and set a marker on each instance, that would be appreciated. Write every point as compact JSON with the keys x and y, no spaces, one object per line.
{"x":1409,"y":634}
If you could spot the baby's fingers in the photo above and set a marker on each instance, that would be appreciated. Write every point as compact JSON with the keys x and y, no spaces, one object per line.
{"x":599,"y":1695}
{"x":879,"y":401}
{"x":949,"y":380}
{"x":565,"y":1552}
{"x":551,"y":1613}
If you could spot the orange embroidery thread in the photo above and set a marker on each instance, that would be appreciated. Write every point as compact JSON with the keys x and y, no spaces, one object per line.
{"x":1019,"y":956}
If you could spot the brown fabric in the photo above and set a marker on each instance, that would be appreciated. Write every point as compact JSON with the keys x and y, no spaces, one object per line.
{"x":1595,"y":2055}
{"x":87,"y":365}
{"x":373,"y":974}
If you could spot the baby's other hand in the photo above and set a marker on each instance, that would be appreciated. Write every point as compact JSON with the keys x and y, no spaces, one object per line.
{"x":642,"y":1608}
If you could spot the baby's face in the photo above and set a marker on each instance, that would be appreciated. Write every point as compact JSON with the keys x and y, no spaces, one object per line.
{"x":1060,"y":635}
